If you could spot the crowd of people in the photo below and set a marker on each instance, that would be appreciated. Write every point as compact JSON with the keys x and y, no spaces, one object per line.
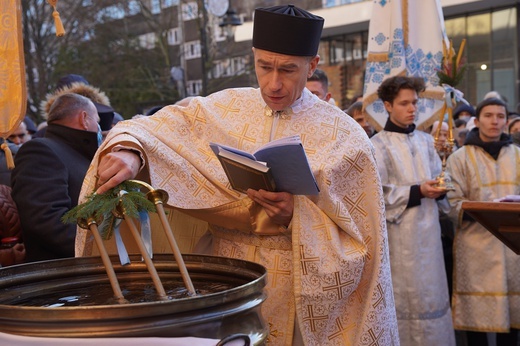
{"x":367,"y":261}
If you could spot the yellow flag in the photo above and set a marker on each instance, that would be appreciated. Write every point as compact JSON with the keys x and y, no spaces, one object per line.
{"x":13,"y":94}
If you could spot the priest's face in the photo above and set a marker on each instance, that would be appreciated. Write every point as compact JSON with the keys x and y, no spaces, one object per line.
{"x":403,"y":110}
{"x":282,"y":78}
{"x":491,"y":122}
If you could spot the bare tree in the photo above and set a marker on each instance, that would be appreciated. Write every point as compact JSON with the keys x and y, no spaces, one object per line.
{"x":42,"y":47}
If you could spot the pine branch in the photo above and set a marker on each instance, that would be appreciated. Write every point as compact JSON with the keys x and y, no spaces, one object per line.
{"x":101,"y":207}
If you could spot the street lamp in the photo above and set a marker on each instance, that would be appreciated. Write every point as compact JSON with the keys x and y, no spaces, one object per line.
{"x":229,"y":22}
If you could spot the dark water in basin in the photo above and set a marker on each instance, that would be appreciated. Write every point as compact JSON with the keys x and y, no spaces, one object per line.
{"x":102,"y":294}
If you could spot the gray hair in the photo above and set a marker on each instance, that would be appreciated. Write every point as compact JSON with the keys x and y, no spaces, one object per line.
{"x":67,"y":105}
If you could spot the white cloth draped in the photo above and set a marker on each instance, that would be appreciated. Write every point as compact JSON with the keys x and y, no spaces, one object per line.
{"x":405,"y":38}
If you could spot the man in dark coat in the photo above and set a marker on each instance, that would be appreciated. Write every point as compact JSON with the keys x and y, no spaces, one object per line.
{"x":48,"y":175}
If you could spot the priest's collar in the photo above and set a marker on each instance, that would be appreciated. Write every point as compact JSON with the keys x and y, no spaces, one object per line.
{"x":304,"y":102}
{"x":391,"y":127}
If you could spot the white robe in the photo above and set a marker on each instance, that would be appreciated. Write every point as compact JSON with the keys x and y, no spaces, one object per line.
{"x":416,"y":258}
{"x":331,"y":268}
{"x":486,"y":276}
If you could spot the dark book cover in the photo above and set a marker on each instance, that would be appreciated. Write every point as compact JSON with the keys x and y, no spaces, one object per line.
{"x":245,"y":175}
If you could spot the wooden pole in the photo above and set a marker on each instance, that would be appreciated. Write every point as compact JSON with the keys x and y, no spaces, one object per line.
{"x":92,"y":225}
{"x":158,"y":197}
{"x":148,"y":261}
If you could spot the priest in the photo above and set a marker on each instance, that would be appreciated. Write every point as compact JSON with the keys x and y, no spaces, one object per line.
{"x":327,"y":255}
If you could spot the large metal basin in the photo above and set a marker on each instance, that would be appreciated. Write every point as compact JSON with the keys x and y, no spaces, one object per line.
{"x":235,"y":310}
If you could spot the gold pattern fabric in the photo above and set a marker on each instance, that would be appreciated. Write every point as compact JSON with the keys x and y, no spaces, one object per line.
{"x":12,"y":67}
{"x":486,"y":282}
{"x":414,"y":235}
{"x":329,"y":272}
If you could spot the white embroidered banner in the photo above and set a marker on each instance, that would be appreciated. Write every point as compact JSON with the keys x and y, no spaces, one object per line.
{"x":406,"y":37}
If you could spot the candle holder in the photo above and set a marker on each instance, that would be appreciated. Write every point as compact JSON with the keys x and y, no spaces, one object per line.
{"x":444,"y":177}
{"x":450,"y":74}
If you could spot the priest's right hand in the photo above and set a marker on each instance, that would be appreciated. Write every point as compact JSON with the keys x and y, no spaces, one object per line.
{"x":116,"y":167}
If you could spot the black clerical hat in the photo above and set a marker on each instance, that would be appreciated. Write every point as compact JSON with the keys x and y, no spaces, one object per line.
{"x":287,"y":30}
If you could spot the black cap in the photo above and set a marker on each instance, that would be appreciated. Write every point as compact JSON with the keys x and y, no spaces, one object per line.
{"x":287,"y":30}
{"x":463,"y":108}
{"x":67,"y":80}
{"x":106,"y":116}
{"x":30,"y":125}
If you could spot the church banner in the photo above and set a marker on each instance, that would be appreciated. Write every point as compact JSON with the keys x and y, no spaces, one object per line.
{"x":406,"y":38}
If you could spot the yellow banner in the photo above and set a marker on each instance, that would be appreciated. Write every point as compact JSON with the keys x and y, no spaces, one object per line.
{"x":13,"y":94}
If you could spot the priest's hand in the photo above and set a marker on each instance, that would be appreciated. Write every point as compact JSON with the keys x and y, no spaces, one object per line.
{"x":429,"y":189}
{"x":278,"y":206}
{"x":116,"y":167}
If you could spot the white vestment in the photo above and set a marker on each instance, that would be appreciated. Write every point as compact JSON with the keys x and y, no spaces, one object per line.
{"x":486,"y":275}
{"x":330,"y":269}
{"x":414,"y":236}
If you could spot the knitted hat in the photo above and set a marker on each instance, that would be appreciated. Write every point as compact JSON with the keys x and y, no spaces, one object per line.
{"x":463,"y":108}
{"x":287,"y":30}
{"x":512,"y":122}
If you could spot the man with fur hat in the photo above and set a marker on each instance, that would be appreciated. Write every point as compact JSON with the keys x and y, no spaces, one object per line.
{"x":48,"y":175}
{"x":73,"y":83}
{"x":327,"y":255}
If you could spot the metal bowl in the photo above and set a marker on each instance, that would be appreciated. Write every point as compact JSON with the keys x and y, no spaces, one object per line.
{"x":64,"y":298}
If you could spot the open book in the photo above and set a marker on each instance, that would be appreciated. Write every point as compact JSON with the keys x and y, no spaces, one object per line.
{"x":280,"y":165}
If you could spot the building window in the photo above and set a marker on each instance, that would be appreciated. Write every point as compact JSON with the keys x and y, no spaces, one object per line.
{"x":194,"y":87}
{"x":218,"y":33}
{"x":155,"y":6}
{"x":169,"y":3}
{"x":110,"y":13}
{"x":192,"y":50}
{"x":229,"y":67}
{"x":490,"y":54}
{"x":174,"y":36}
{"x":147,"y":41}
{"x":133,"y":7}
{"x":190,"y":11}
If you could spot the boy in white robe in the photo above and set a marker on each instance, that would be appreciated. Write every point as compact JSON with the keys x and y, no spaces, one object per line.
{"x":486,"y":272}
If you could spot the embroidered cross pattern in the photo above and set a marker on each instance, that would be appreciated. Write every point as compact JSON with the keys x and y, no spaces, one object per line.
{"x":353,"y":163}
{"x":201,"y":186}
{"x":227,"y":108}
{"x":355,"y":204}
{"x":241,"y":137}
{"x":275,"y":272}
{"x":304,"y":260}
{"x":338,"y":285}
{"x":312,"y":319}
{"x":196,"y":117}
{"x":342,"y":332}
{"x":374,"y":338}
{"x":335,"y":128}
{"x":381,"y":297}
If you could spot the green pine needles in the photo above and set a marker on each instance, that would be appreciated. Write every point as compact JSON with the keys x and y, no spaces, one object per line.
{"x":126,"y":198}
